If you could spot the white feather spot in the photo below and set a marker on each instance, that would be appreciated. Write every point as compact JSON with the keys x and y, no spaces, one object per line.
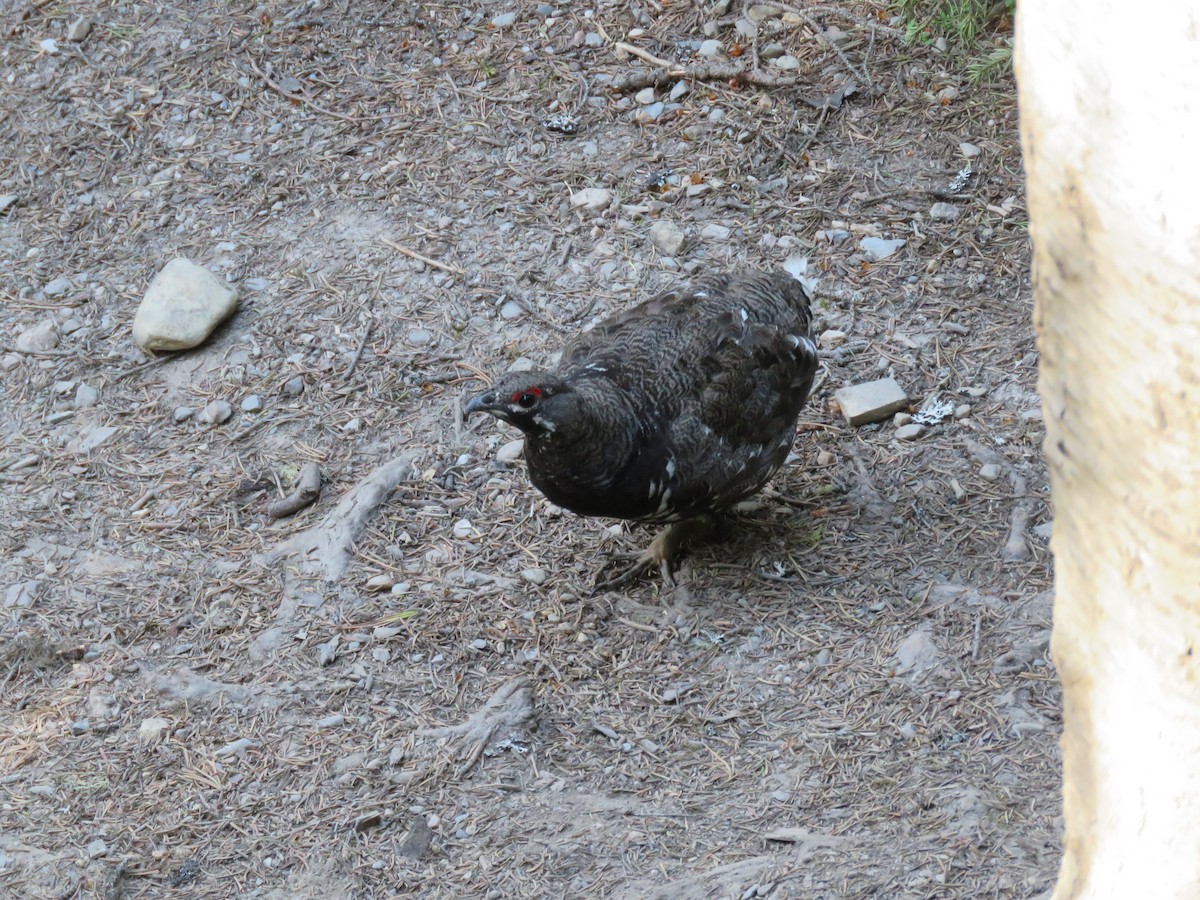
{"x":671,"y":467}
{"x":545,"y":423}
{"x":745,"y":315}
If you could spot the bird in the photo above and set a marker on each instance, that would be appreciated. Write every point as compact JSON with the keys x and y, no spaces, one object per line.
{"x":669,"y":412}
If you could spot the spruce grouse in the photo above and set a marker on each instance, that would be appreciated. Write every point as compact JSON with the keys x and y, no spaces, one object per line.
{"x":679,"y":407}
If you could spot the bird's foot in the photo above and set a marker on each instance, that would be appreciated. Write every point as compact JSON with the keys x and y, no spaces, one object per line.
{"x":661,"y":554}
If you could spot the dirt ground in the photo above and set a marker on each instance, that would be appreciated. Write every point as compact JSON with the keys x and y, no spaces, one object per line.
{"x":856,"y":700}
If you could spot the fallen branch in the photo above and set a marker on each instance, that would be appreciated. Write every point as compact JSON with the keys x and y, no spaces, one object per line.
{"x":635,"y":81}
{"x":413,"y":254}
{"x":308,"y":489}
{"x":326,"y":547}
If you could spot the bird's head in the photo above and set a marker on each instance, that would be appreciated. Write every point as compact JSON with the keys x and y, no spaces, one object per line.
{"x":534,"y":401}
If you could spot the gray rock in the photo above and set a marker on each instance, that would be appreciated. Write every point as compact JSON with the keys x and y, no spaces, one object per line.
{"x":989,"y":472}
{"x":182,"y":413}
{"x":151,"y":729}
{"x":591,"y":199}
{"x":872,"y":401}
{"x":94,"y":438}
{"x":294,"y":387}
{"x":947,"y":211}
{"x":678,"y":91}
{"x":970,"y":151}
{"x":96,"y":849}
{"x":86,"y":395}
{"x":760,"y":12}
{"x":80,"y":726}
{"x":419,"y":337}
{"x":336,"y":720}
{"x":504,"y":20}
{"x":183,"y":305}
{"x":878,"y":248}
{"x":714,"y":232}
{"x":917,"y":653}
{"x":79,"y":29}
{"x":832,"y":338}
{"x":836,"y":36}
{"x":948,"y":94}
{"x":667,"y":237}
{"x":593,"y":39}
{"x":534,"y":576}
{"x":646,"y":96}
{"x":787,"y":63}
{"x":479,"y":644}
{"x":650,"y":113}
{"x":235,"y":748}
{"x":511,"y":310}
{"x":710,"y":48}
{"x":215,"y":413}
{"x":6,"y":200}
{"x":772,"y":51}
{"x":41,"y":337}
{"x":511,"y":451}
{"x":58,"y":286}
{"x":910,"y":432}
{"x":252,"y":404}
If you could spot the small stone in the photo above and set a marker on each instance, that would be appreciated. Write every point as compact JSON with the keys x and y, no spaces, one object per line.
{"x":910,"y":432}
{"x":86,"y":395}
{"x":946,"y":211}
{"x":948,"y":95}
{"x":182,"y":413}
{"x":504,"y":20}
{"x":761,"y":11}
{"x":917,"y":653}
{"x":650,"y":113}
{"x":667,"y":237}
{"x":901,"y":419}
{"x":825,"y":458}
{"x":1044,"y":531}
{"x":337,"y":720}
{"x":511,"y":310}
{"x":872,"y":401}
{"x":381,"y":654}
{"x":970,"y":151}
{"x":824,"y":657}
{"x":678,"y":91}
{"x":386,"y":632}
{"x":534,"y":576}
{"x":49,"y":45}
{"x":95,"y":437}
{"x":151,"y":729}
{"x":419,"y":337}
{"x":511,"y":452}
{"x":79,"y":30}
{"x":715,"y":232}
{"x":962,"y":411}
{"x":215,"y":413}
{"x":235,"y":748}
{"x":81,"y":726}
{"x":646,"y":96}
{"x":463,"y":529}
{"x":252,"y":404}
{"x":591,"y":199}
{"x":38,"y":339}
{"x":400,"y":588}
{"x":182,"y":307}
{"x":785,"y":62}
{"x":878,"y":248}
{"x":698,"y":190}
{"x":383,"y":582}
{"x":593,"y":39}
{"x":96,"y":849}
{"x":989,"y":472}
{"x":832,"y":338}
{"x":479,"y":644}
{"x":836,"y":36}
{"x":294,"y":387}
{"x":58,"y":287}
{"x":772,"y":51}
{"x":710,"y":48}
{"x":6,"y":200}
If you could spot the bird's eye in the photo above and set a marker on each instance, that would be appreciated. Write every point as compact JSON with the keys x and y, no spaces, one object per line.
{"x":527,"y":400}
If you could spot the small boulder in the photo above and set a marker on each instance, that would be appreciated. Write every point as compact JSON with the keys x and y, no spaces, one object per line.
{"x":667,"y":237}
{"x":183,"y":305}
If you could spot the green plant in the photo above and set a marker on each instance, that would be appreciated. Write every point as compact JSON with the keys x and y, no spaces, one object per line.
{"x":964,"y":25}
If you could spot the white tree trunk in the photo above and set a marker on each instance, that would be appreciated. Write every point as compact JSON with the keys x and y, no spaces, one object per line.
{"x":1110,"y":122}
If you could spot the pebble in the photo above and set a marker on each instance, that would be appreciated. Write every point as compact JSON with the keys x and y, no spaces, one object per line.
{"x":909,"y":432}
{"x":386,"y":632}
{"x":6,"y":200}
{"x":235,"y":748}
{"x":714,"y":232}
{"x":401,"y":588}
{"x":710,"y":48}
{"x":786,"y":62}
{"x":41,"y":337}
{"x":337,"y":720}
{"x":871,"y":401}
{"x":151,"y":729}
{"x":58,"y":287}
{"x":79,"y":29}
{"x":419,"y":337}
{"x":761,"y":11}
{"x":917,"y":652}
{"x":479,"y":644}
{"x":832,"y":338}
{"x":825,"y":657}
{"x":94,"y":438}
{"x":382,"y":582}
{"x":86,"y":395}
{"x":946,"y":211}
{"x":511,"y":310}
{"x":294,"y":387}
{"x":879,"y":248}
{"x":667,"y":237}
{"x":504,"y":20}
{"x":651,"y":112}
{"x":534,"y":576}
{"x":678,"y":91}
{"x":511,"y":451}
{"x":215,"y":413}
{"x":381,"y":654}
{"x":698,"y":190}
{"x":81,"y":726}
{"x":825,"y":458}
{"x":97,"y":849}
{"x":252,"y":404}
{"x":591,"y":199}
{"x":463,"y":529}
{"x":948,"y":95}
{"x":773,"y":51}
{"x":901,"y":418}
{"x":182,"y":307}
{"x":593,"y":39}
{"x":962,"y":411}
{"x":646,"y":96}
{"x":970,"y":151}
{"x":989,"y":472}
{"x":836,"y":36}
{"x":49,"y":45}
{"x":182,"y":413}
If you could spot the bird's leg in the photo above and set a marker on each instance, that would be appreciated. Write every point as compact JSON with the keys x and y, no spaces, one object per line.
{"x":661,"y":554}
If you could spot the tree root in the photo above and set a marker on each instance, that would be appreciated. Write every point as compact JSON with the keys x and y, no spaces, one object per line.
{"x":308,"y":489}
{"x":511,"y":707}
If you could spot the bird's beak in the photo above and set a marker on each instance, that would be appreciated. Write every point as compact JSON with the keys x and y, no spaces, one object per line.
{"x":482,"y":403}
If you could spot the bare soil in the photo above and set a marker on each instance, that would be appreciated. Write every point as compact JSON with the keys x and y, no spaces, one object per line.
{"x":854,"y":701}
